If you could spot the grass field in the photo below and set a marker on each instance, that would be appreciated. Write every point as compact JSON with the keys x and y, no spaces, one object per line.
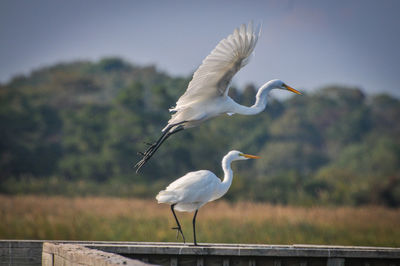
{"x":114,"y":219}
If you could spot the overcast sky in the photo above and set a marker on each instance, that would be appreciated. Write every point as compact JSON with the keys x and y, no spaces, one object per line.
{"x":307,"y":44}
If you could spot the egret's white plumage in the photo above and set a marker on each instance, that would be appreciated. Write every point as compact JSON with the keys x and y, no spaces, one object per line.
{"x":193,"y":190}
{"x":207,"y":93}
{"x":210,"y":83}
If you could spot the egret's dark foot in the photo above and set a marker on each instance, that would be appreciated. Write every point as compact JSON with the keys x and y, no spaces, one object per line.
{"x":146,"y":156}
{"x":171,"y":129}
{"x":179,"y":230}
{"x":142,"y":162}
{"x":150,"y":148}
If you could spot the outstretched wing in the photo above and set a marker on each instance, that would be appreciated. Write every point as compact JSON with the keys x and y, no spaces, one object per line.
{"x":214,"y":75}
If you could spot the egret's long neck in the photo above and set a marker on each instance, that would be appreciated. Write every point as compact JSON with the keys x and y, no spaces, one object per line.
{"x":228,"y":176}
{"x":261,"y":101}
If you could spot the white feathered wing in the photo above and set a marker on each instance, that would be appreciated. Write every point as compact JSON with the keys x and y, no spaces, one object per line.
{"x":212,"y":79}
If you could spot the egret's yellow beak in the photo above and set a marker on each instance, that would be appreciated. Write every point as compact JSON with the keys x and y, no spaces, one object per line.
{"x":291,"y":89}
{"x":250,"y":156}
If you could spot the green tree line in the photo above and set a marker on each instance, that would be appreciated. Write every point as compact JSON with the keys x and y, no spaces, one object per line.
{"x":76,"y":128}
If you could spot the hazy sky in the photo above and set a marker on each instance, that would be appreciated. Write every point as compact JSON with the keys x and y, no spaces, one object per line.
{"x":307,"y":44}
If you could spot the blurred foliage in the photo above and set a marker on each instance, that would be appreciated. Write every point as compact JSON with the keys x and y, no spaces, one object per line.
{"x":81,"y":125}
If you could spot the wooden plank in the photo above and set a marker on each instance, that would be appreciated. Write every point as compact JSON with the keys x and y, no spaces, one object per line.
{"x":335,"y":262}
{"x":253,"y":250}
{"x":47,"y":259}
{"x":225,"y":262}
{"x":20,"y":243}
{"x":200,"y":261}
{"x":174,"y":261}
{"x":20,"y":256}
{"x":25,"y":252}
{"x":17,"y":252}
{"x":59,"y":260}
{"x":67,"y":254}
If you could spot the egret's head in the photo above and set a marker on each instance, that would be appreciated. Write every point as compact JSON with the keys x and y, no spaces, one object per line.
{"x":237,"y":155}
{"x":279,"y":84}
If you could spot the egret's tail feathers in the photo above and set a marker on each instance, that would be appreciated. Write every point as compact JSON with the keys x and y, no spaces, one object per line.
{"x":165,"y":196}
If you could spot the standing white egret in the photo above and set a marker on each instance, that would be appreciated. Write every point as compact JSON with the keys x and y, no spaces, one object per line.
{"x":193,"y":190}
{"x":207,"y":93}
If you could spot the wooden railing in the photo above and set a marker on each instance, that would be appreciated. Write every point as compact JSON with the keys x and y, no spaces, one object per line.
{"x":141,"y":253}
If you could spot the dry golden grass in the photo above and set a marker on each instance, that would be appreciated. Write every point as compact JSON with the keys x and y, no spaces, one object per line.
{"x":114,"y":219}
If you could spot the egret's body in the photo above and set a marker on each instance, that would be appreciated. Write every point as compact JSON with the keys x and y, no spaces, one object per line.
{"x":190,"y":192}
{"x":203,"y":110}
{"x":207,"y":93}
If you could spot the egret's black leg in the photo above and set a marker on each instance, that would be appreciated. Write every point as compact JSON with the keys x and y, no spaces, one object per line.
{"x":194,"y":228}
{"x":179,"y":225}
{"x":152,"y":149}
{"x":177,"y":129}
{"x":162,"y":136}
{"x":149,"y":151}
{"x":158,"y":141}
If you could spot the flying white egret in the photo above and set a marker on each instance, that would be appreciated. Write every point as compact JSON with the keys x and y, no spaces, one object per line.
{"x":207,"y":93}
{"x":193,"y":190}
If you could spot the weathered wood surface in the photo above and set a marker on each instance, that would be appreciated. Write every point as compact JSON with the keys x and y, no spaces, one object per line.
{"x":239,"y":254}
{"x":15,"y":252}
{"x":25,"y":252}
{"x":55,"y":254}
{"x":250,"y":250}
